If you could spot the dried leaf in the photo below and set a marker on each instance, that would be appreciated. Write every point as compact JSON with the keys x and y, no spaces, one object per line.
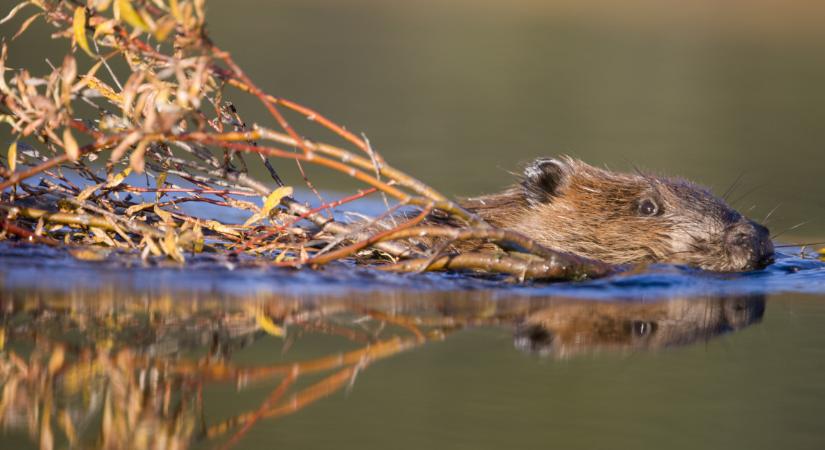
{"x":151,"y":246}
{"x":4,"y":88}
{"x":84,"y":80}
{"x":13,"y":12}
{"x":136,"y":161}
{"x":200,"y":9}
{"x":79,"y":27}
{"x":68,"y":73}
{"x":70,"y":145}
{"x":124,"y":11}
{"x":124,"y":145}
{"x":25,"y":25}
{"x":12,"y":156}
{"x":101,"y":236}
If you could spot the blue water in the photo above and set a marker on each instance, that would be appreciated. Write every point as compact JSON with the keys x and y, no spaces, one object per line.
{"x":30,"y":265}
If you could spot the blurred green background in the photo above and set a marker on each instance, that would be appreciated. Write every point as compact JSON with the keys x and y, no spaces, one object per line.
{"x":460,"y":93}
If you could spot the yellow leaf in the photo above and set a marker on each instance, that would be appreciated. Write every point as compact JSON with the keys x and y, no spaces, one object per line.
{"x":272,"y":200}
{"x":79,"y":27}
{"x":87,"y":192}
{"x":84,"y":80}
{"x":161,"y":180}
{"x":101,"y":237}
{"x":123,"y":9}
{"x":275,"y":198}
{"x":46,"y":436}
{"x":106,"y":27}
{"x":101,"y":5}
{"x":57,"y":359}
{"x":252,"y":219}
{"x":117,"y":179}
{"x":175,"y":10}
{"x":12,"y":156}
{"x":68,"y":427}
{"x":170,"y":246}
{"x":2,"y":338}
{"x":89,"y":254}
{"x":220,"y":228}
{"x":136,"y":208}
{"x":164,"y":27}
{"x":164,"y":215}
{"x":70,"y":145}
{"x":268,"y":325}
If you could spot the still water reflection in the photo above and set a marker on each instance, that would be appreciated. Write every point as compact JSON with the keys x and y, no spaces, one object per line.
{"x":129,"y":369}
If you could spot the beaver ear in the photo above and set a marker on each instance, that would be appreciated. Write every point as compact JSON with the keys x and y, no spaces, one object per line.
{"x":543,"y":179}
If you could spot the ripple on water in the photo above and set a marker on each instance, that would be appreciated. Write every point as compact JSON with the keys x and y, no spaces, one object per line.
{"x":27,"y":265}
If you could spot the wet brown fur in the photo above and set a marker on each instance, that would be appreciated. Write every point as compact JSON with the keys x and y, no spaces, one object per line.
{"x":594,"y":212}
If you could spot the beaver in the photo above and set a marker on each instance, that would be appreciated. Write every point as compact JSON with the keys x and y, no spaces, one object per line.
{"x":626,"y":218}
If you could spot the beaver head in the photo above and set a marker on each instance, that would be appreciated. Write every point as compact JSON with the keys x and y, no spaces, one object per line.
{"x":620,"y":218}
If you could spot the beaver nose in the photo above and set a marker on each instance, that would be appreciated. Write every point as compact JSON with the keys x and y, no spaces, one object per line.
{"x":753,"y":242}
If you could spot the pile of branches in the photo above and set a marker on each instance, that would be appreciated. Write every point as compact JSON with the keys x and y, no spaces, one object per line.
{"x":105,"y":161}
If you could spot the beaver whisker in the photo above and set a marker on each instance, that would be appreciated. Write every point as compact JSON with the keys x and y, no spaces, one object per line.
{"x":732,"y":186}
{"x":790,"y":229}
{"x":804,"y":244}
{"x":747,"y":193}
{"x":768,"y":216}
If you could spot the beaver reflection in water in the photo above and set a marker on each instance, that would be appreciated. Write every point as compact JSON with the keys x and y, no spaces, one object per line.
{"x":583,"y":326}
{"x":621,"y":218}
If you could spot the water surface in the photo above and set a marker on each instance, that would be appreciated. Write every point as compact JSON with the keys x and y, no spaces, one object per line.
{"x":671,"y":356}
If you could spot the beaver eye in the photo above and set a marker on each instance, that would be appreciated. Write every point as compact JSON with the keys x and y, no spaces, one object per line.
{"x":648,"y":208}
{"x":642,"y":328}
